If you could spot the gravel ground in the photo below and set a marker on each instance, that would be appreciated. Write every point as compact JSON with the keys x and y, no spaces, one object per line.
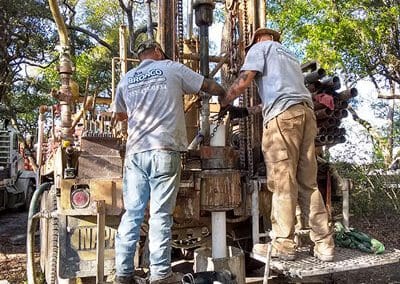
{"x":384,"y":228}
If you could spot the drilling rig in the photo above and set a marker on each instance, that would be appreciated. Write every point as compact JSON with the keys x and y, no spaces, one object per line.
{"x":223,"y":204}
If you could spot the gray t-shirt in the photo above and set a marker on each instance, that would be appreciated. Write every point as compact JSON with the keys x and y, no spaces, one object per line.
{"x":152,"y":96}
{"x":279,"y":78}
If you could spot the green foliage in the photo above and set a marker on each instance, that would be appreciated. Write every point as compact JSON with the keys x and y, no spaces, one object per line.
{"x":102,"y":18}
{"x":27,"y":38}
{"x":373,"y":192}
{"x":356,"y":36}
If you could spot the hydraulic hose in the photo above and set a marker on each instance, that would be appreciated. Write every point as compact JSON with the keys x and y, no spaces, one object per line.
{"x":32,"y":225}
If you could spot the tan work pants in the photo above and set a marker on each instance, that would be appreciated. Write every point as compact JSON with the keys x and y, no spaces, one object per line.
{"x":289,"y":152}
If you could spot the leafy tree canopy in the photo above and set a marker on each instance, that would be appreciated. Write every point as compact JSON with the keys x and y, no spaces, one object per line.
{"x":359,"y":37}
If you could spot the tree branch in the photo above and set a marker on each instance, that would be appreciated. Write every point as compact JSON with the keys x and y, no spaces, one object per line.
{"x":391,"y":97}
{"x":92,"y":35}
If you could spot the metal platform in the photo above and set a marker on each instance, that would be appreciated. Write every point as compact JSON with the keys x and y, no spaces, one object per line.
{"x":345,"y":260}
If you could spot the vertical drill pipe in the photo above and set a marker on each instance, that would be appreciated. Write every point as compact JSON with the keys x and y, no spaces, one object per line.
{"x":149,"y":20}
{"x":204,"y":119}
{"x":203,"y":13}
{"x":261,"y":12}
{"x":204,"y":52}
{"x":218,"y":222}
{"x":166,"y":26}
{"x":189,"y":19}
{"x":205,"y":70}
{"x":255,"y":212}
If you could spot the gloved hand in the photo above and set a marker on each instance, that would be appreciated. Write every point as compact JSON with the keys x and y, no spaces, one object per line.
{"x":238,"y":112}
{"x":223,"y":111}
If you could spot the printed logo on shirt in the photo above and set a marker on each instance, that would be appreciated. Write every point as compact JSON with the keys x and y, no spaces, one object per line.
{"x":139,"y":79}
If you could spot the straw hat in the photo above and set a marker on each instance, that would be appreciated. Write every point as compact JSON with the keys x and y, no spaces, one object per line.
{"x":276,"y":36}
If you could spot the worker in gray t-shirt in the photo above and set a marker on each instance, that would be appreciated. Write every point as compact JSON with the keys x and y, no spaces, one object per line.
{"x":287,"y":144}
{"x":150,"y":98}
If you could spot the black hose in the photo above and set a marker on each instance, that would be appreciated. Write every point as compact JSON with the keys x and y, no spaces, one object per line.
{"x":32,"y":224}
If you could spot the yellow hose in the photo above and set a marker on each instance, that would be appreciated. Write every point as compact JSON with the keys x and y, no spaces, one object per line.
{"x":62,"y":29}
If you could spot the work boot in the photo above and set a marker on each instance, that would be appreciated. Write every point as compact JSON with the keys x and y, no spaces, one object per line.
{"x":129,"y":280}
{"x":173,"y":278}
{"x":261,"y":249}
{"x":324,"y":252}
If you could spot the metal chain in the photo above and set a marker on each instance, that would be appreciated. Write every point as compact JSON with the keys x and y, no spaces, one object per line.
{"x":219,"y":122}
{"x":245,"y":23}
{"x":234,"y":40}
{"x":180,"y":28}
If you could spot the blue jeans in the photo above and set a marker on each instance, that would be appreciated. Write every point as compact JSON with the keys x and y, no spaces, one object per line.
{"x":152,"y":175}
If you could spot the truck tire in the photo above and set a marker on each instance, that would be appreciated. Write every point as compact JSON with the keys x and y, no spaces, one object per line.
{"x":29,"y":194}
{"x":52,"y":240}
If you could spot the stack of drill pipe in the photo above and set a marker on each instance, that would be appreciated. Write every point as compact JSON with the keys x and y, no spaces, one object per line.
{"x":328,"y":119}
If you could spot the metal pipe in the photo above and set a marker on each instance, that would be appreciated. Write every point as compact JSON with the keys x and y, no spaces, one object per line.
{"x":322,"y":130}
{"x":123,"y":52}
{"x":113,"y":79}
{"x":262,"y":12}
{"x":347,"y":94}
{"x":346,"y":203}
{"x":204,"y":18}
{"x":40,"y":137}
{"x":218,"y":222}
{"x":204,"y":51}
{"x":212,"y":58}
{"x":255,"y":213}
{"x":149,"y":21}
{"x":113,"y":62}
{"x":65,"y":71}
{"x":323,"y":113}
{"x":341,"y":131}
{"x":339,"y":139}
{"x":340,"y":113}
{"x":204,"y":118}
{"x":328,"y":122}
{"x":339,"y":104}
{"x":331,"y":82}
{"x":218,"y":67}
{"x":267,"y":263}
{"x":166,"y":26}
{"x":320,"y":139}
{"x":31,"y":227}
{"x":189,"y":19}
{"x":329,"y":139}
{"x":314,"y":76}
{"x":101,"y":221}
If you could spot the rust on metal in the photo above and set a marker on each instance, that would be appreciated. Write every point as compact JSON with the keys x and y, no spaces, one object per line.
{"x":218,"y":157}
{"x":220,"y":190}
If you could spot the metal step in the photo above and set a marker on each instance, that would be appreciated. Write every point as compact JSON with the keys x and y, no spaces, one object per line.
{"x":307,"y":265}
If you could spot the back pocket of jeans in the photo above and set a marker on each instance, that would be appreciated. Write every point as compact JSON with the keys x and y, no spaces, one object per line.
{"x":166,"y":163}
